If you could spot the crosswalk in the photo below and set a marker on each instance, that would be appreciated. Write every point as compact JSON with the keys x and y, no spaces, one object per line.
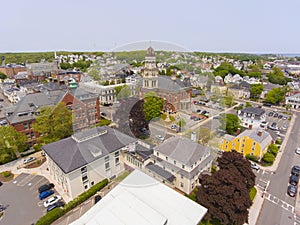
{"x":279,"y":202}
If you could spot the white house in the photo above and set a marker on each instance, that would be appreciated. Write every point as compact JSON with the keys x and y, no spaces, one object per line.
{"x":86,"y":158}
{"x":252,"y":117}
{"x":293,"y":100}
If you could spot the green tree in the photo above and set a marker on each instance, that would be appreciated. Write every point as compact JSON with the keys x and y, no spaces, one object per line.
{"x":227,"y":101}
{"x":273,"y":149}
{"x":204,"y":135}
{"x":230,"y":123}
{"x":256,"y":90}
{"x":226,"y":68}
{"x":181,"y":123}
{"x":54,"y":123}
{"x":2,"y":76}
{"x":11,"y":143}
{"x":122,"y":91}
{"x":152,"y":106}
{"x":277,"y":77}
{"x":275,"y":96}
{"x":248,"y":104}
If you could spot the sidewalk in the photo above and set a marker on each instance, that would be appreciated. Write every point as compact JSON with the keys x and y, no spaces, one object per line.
{"x":254,"y":211}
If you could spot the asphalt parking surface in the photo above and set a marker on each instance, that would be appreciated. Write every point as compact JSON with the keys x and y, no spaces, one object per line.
{"x":22,"y":200}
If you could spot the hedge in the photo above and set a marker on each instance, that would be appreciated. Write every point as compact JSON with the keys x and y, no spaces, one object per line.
{"x":252,"y":157}
{"x":50,"y":217}
{"x":56,"y":213}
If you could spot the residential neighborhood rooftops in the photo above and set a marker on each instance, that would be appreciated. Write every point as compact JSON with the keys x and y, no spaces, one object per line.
{"x":140,"y":199}
{"x":183,"y":150}
{"x":253,"y":110}
{"x":82,"y":148}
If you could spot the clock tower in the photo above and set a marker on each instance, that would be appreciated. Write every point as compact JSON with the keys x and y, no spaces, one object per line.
{"x":150,"y":71}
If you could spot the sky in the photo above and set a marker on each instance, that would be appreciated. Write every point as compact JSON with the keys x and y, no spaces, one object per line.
{"x":256,"y":26}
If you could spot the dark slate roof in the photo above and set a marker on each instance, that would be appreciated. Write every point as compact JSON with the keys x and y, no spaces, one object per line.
{"x":253,"y":110}
{"x":182,"y":150}
{"x":82,"y":94}
{"x":85,"y":147}
{"x":30,"y":103}
{"x":161,"y":172}
{"x":166,"y":83}
{"x":144,"y":152}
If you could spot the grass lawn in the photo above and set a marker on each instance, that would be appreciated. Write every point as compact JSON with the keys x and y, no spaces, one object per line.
{"x":122,"y":176}
{"x":103,"y":122}
{"x":6,"y":176}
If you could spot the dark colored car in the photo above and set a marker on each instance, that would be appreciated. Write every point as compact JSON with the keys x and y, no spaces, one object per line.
{"x":204,"y":112}
{"x":55,"y":205}
{"x":294,"y":179}
{"x":1,"y":99}
{"x":198,"y":110}
{"x":267,"y":104}
{"x":280,"y":116}
{"x":292,"y":190}
{"x":275,"y":115}
{"x":103,"y":114}
{"x":1,"y":183}
{"x":46,"y":194}
{"x":295,"y":170}
{"x":97,"y":198}
{"x":45,"y":187}
{"x":107,"y":104}
{"x":270,"y":113}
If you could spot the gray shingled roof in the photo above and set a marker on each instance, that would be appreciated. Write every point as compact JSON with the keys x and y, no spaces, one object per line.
{"x":31,"y":102}
{"x":182,"y":150}
{"x":161,"y":172}
{"x":264,"y":139}
{"x":85,"y":147}
{"x":253,"y":110}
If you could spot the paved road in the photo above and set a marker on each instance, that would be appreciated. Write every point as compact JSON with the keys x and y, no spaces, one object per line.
{"x":278,"y":207}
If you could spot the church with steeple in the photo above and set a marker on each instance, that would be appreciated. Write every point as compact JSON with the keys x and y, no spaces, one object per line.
{"x":176,"y":92}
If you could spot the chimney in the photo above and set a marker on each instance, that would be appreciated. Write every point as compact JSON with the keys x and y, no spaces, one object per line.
{"x":259,"y":133}
{"x":238,"y":131}
{"x":194,"y":136}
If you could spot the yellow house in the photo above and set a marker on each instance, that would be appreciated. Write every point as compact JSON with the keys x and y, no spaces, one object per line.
{"x":253,"y":142}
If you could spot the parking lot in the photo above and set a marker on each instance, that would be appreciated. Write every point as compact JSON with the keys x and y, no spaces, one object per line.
{"x":22,"y":200}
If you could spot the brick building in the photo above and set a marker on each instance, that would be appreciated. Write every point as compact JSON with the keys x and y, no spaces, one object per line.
{"x":12,"y":69}
{"x":85,"y":108}
{"x":176,"y":92}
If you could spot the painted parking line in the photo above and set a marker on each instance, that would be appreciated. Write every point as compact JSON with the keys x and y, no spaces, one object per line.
{"x":26,"y":180}
{"x":37,"y":183}
{"x":20,"y":178}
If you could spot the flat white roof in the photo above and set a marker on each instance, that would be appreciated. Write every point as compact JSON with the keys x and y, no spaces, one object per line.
{"x":141,"y":200}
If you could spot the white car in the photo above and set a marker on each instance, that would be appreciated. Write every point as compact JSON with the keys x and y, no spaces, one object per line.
{"x":298,"y":151}
{"x":52,"y":201}
{"x":254,"y":166}
{"x":28,"y":160}
{"x":159,"y":137}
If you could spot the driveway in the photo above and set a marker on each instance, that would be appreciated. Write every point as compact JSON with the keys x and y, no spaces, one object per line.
{"x":22,"y":198}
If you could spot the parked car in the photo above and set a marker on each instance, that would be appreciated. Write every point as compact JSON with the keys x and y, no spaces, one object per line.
{"x":52,"y":201}
{"x":1,"y":183}
{"x":97,"y":198}
{"x":280,"y":116}
{"x":298,"y":151}
{"x":198,"y":110}
{"x":28,"y":160}
{"x":55,"y":205}
{"x":1,"y":99}
{"x":294,"y":179}
{"x":145,"y":131}
{"x":254,"y":166}
{"x":270,"y":114}
{"x":292,"y":190}
{"x":173,"y":126}
{"x":3,"y":123}
{"x":160,"y":137}
{"x":107,"y":104}
{"x":295,"y":170}
{"x":45,"y":187}
{"x":197,"y":119}
{"x":216,"y":117}
{"x":284,"y":127}
{"x":103,"y":114}
{"x":204,"y":112}
{"x":267,"y":104}
{"x":275,"y":115}
{"x":284,"y":117}
{"x":46,"y":194}
{"x":43,"y":153}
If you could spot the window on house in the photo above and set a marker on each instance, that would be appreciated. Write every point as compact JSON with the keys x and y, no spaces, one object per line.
{"x":181,"y":176}
{"x":117,"y":154}
{"x":157,"y":153}
{"x":117,"y":161}
{"x":243,"y":145}
{"x":181,"y":184}
{"x":107,"y":167}
{"x":226,"y":146}
{"x":84,"y":177}
{"x":25,"y":126}
{"x":174,"y":162}
{"x":86,"y":186}
{"x":182,"y":166}
{"x":167,"y":158}
{"x":28,"y":135}
{"x":92,"y":183}
{"x":83,"y":169}
{"x":254,"y":143}
{"x":106,"y":158}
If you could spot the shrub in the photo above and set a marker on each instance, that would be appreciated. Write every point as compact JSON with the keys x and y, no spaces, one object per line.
{"x":50,"y":217}
{"x":252,"y":157}
{"x":278,"y":142}
{"x":163,"y":116}
{"x":103,"y":122}
{"x":213,"y":169}
{"x":6,"y":173}
{"x":268,"y":157}
{"x":273,"y":149}
{"x":37,"y":147}
{"x":252,"y":193}
{"x":172,"y":118}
